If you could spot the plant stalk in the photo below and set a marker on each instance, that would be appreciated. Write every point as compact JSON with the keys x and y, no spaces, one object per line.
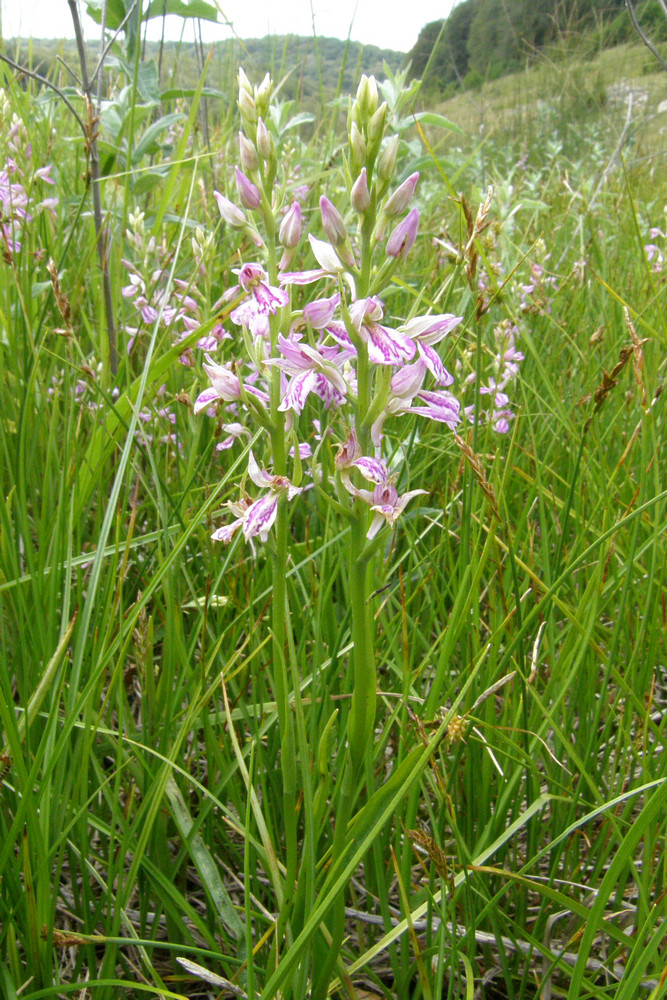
{"x":101,"y":233}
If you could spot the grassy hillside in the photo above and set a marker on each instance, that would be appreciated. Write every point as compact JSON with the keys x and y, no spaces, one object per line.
{"x":586,"y":88}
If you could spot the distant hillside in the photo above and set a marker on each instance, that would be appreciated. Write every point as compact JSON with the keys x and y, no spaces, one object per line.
{"x":303,"y":59}
{"x":485,"y":39}
{"x":302,"y":63}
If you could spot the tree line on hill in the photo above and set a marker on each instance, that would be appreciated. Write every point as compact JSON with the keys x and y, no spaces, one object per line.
{"x":484,"y":39}
{"x":304,"y":66}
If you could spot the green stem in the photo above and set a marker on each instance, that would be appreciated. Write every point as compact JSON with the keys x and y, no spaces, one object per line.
{"x":360,"y":727}
{"x":366,"y":232}
{"x":326,"y":956}
{"x":280,"y":617}
{"x":364,"y":390}
{"x":280,"y":621}
{"x":361,"y":720}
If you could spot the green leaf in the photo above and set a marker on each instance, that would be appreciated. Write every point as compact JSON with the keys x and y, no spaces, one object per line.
{"x":623,"y":858}
{"x":115,"y":12}
{"x":204,"y":863}
{"x":45,"y":682}
{"x":120,"y":412}
{"x":178,"y":155}
{"x":196,"y":8}
{"x":148,"y":180}
{"x":8,"y":986}
{"x":112,"y":121}
{"x":431,"y":118}
{"x":174,"y":93}
{"x":148,"y":83}
{"x":149,"y":140}
{"x":303,"y":118}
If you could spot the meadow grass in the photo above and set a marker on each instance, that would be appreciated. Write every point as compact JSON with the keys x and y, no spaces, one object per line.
{"x":513,"y":842}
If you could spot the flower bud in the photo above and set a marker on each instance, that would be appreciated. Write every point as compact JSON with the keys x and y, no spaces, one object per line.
{"x":398,"y":202}
{"x":248,"y":192}
{"x":265,"y":144}
{"x":289,"y":233}
{"x":367,"y":96}
{"x":248,"y":154}
{"x":247,"y":107}
{"x":408,"y":380}
{"x":376,"y":124}
{"x":403,"y":235}
{"x":244,"y":82}
{"x":360,"y":196}
{"x":332,"y":222}
{"x":263,"y":95}
{"x":354,"y":116}
{"x":357,"y":147}
{"x":387,"y":162}
{"x":232,"y":215}
{"x":246,"y":101}
{"x":320,"y":312}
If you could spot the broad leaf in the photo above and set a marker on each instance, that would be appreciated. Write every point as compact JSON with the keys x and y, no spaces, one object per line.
{"x":430,"y":118}
{"x":174,"y":93}
{"x":196,"y":8}
{"x":148,"y":84}
{"x":149,"y":141}
{"x":115,"y":12}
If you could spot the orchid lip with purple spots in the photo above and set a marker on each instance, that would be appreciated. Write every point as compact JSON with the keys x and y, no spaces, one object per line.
{"x":262,"y":301}
{"x":385,"y":346}
{"x":311,"y":371}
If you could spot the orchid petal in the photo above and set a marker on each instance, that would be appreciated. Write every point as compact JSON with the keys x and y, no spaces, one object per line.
{"x":325,"y":255}
{"x":204,"y":400}
{"x":260,"y":517}
{"x":372,"y":469}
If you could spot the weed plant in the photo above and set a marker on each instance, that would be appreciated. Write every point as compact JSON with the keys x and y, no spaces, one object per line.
{"x":169,"y":816}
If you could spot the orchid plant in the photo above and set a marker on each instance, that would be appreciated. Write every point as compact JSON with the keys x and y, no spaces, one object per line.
{"x":325,"y":377}
{"x":21,"y":181}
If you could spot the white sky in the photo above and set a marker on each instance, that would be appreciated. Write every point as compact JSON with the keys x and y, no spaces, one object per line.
{"x":391,"y":24}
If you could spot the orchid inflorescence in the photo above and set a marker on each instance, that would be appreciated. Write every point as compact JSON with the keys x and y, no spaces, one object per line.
{"x":653,"y":250}
{"x":337,"y":349}
{"x":21,"y":180}
{"x":173,"y":305}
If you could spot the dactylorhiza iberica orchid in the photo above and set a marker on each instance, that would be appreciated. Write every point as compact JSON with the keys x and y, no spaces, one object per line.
{"x":319,"y":377}
{"x":21,"y":181}
{"x":493,"y":404}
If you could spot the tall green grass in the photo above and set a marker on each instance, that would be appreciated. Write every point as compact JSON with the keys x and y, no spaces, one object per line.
{"x":515,"y":844}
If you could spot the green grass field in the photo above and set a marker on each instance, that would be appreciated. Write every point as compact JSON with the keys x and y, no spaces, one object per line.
{"x":429,"y":764}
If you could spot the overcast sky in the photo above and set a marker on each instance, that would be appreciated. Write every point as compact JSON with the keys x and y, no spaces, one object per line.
{"x":391,"y":24}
